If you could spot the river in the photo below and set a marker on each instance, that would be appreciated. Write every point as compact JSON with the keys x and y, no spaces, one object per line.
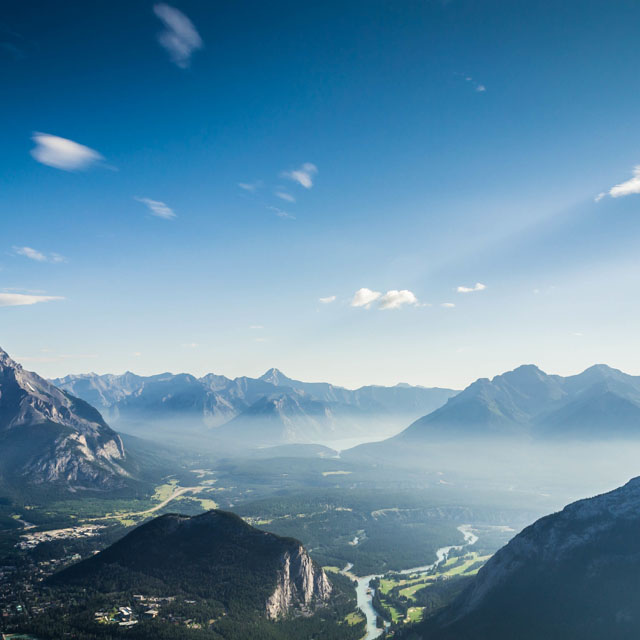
{"x":365,"y":592}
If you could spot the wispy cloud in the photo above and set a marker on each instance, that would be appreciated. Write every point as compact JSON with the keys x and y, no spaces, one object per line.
{"x":281,"y":214}
{"x":157,"y":208}
{"x":395,"y":299}
{"x":627,"y":188}
{"x":392,"y":299}
{"x":22,"y":299}
{"x":256,"y":326}
{"x":283,"y":195}
{"x":478,"y":286}
{"x":327,"y":300}
{"x":478,"y":87}
{"x":179,"y":37}
{"x":62,"y":153}
{"x":304,"y":175}
{"x":448,"y":305}
{"x":250,"y":186}
{"x":190,"y":345}
{"x":38,"y":256}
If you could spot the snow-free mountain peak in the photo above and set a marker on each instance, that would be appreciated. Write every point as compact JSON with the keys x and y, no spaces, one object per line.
{"x":48,"y":435}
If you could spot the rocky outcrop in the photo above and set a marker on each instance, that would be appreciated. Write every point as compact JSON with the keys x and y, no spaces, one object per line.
{"x":302,"y":586}
{"x":47,"y":435}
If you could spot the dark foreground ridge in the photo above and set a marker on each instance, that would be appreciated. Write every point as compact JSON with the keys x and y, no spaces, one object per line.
{"x":571,"y":575}
{"x":214,"y":556}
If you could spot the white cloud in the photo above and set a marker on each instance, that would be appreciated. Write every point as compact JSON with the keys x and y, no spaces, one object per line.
{"x":190,"y":345}
{"x":392,"y":299}
{"x":21,"y":299}
{"x":478,"y":286}
{"x":256,"y":326}
{"x":448,"y":305}
{"x":395,"y":299}
{"x":137,"y":354}
{"x":180,"y":37}
{"x":599,"y":197}
{"x":303,"y":175}
{"x":327,"y":300}
{"x":631,"y":186}
{"x":38,"y":256}
{"x":283,"y":195}
{"x":62,"y":153}
{"x":364,"y":297}
{"x":481,"y":88}
{"x":157,"y":208}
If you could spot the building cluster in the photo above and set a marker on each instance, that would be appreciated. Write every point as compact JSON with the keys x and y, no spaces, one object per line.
{"x":144,"y":607}
{"x":32,"y":540}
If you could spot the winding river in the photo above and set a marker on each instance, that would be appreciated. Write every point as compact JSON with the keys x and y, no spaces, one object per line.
{"x":365,"y":592}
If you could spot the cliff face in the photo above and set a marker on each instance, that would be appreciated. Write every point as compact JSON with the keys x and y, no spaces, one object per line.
{"x":301,"y":587}
{"x":47,"y":435}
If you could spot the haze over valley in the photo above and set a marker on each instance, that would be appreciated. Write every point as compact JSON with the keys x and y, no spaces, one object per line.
{"x":433,"y":501}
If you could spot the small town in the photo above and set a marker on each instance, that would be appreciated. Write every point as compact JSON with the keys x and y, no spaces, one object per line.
{"x":32,"y":540}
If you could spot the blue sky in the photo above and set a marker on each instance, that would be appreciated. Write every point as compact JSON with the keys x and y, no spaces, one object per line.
{"x":406,"y":149}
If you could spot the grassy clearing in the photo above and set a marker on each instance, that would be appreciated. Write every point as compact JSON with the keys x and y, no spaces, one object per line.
{"x":397,"y":592}
{"x":415,"y":614}
{"x":164,"y":491}
{"x":330,"y":569}
{"x":354,"y":618}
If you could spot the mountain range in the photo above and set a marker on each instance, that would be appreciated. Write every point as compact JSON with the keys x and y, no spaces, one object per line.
{"x":272,"y":409}
{"x":599,"y":403}
{"x":49,"y":436}
{"x":573,"y":575}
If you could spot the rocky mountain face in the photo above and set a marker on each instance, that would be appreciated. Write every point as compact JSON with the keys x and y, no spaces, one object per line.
{"x":47,"y":435}
{"x":272,"y":409}
{"x":300,"y":586}
{"x":216,"y":556}
{"x":601,"y":402}
{"x":571,"y":575}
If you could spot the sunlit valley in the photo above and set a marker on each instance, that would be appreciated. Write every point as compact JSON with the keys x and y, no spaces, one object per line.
{"x":318,"y":322}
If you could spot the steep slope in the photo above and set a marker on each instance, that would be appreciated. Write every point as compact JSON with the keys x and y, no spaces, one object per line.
{"x":47,"y":435}
{"x":214,"y":556}
{"x":571,"y":575}
{"x":504,"y":405}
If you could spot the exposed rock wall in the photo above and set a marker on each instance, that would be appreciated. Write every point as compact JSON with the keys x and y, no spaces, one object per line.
{"x":301,"y":588}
